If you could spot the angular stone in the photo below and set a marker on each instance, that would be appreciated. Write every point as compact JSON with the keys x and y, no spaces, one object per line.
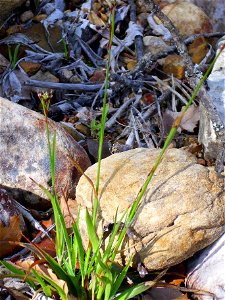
{"x":182,"y":211}
{"x":154,"y":44}
{"x":212,"y":121}
{"x":206,"y":271}
{"x":24,"y":154}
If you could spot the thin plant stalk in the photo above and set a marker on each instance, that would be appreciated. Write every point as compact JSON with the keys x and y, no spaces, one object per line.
{"x":168,"y":140}
{"x":104,"y":115}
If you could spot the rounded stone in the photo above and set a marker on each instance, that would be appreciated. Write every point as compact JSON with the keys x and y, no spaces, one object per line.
{"x":25,"y":155}
{"x":181,"y":212}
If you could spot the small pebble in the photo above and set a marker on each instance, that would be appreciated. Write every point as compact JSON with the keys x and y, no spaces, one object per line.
{"x":26,"y":16}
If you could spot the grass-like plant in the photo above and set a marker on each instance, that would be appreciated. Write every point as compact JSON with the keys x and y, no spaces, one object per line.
{"x":13,"y":55}
{"x":89,"y":273}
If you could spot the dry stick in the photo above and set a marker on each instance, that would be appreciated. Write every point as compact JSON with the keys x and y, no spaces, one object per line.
{"x":183,"y":88}
{"x":118,"y":113}
{"x":191,"y":38}
{"x":135,"y":130}
{"x":26,"y":214}
{"x":140,"y":122}
{"x":168,"y":140}
{"x":153,"y":107}
{"x":149,"y":59}
{"x":180,"y":45}
{"x":64,"y":86}
{"x":182,"y":99}
{"x":139,"y":54}
{"x":138,"y":41}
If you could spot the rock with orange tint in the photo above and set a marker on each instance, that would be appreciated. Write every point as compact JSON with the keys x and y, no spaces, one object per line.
{"x":174,"y":64}
{"x":215,"y":10}
{"x":188,"y":18}
{"x":24,"y":155}
{"x":181,"y":212}
{"x":11,"y":224}
{"x":29,"y":67}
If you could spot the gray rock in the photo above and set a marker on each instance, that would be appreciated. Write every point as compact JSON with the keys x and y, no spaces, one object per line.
{"x":154,"y":44}
{"x":216,"y":83}
{"x":206,"y":271}
{"x":212,"y":114}
{"x":26,"y":16}
{"x":182,"y":211}
{"x":24,"y":154}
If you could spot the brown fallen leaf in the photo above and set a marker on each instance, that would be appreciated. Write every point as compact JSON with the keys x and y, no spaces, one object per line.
{"x":40,"y":267}
{"x":11,"y":224}
{"x":189,"y":121}
{"x":94,"y":19}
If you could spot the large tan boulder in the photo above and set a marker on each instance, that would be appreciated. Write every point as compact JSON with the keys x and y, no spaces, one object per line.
{"x":182,"y":211}
{"x":7,"y":7}
{"x":24,"y":155}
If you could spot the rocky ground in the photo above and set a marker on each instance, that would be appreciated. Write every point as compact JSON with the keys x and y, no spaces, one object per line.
{"x":61,"y":48}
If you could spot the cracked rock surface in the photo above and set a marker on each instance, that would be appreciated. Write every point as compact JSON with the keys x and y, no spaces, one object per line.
{"x":182,"y":211}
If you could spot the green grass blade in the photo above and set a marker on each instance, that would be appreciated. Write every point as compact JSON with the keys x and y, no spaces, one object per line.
{"x":15,"y":55}
{"x":93,"y":263}
{"x":53,"y":284}
{"x":19,"y":272}
{"x":74,"y":251}
{"x":92,"y":232}
{"x":132,"y":292}
{"x":168,"y":141}
{"x":104,"y":279}
{"x":105,"y":109}
{"x":12,"y":268}
{"x":53,"y":158}
{"x":81,"y":252}
{"x":111,"y":250}
{"x":10,"y":54}
{"x":120,"y":278}
{"x":58,"y":270}
{"x":46,"y":289}
{"x":61,"y":231}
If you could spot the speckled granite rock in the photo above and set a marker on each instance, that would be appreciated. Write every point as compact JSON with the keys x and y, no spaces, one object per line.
{"x":24,"y":154}
{"x":182,"y":211}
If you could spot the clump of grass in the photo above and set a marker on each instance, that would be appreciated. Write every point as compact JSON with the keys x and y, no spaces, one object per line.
{"x":13,"y":55}
{"x":90,"y":273}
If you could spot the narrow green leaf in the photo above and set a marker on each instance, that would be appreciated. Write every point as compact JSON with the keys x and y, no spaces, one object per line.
{"x":53,"y":284}
{"x":111,"y":250}
{"x":91,"y":232}
{"x":18,"y":272}
{"x":120,"y":278}
{"x":81,"y":252}
{"x":132,"y":292}
{"x":45,"y":287}
{"x":12,"y":268}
